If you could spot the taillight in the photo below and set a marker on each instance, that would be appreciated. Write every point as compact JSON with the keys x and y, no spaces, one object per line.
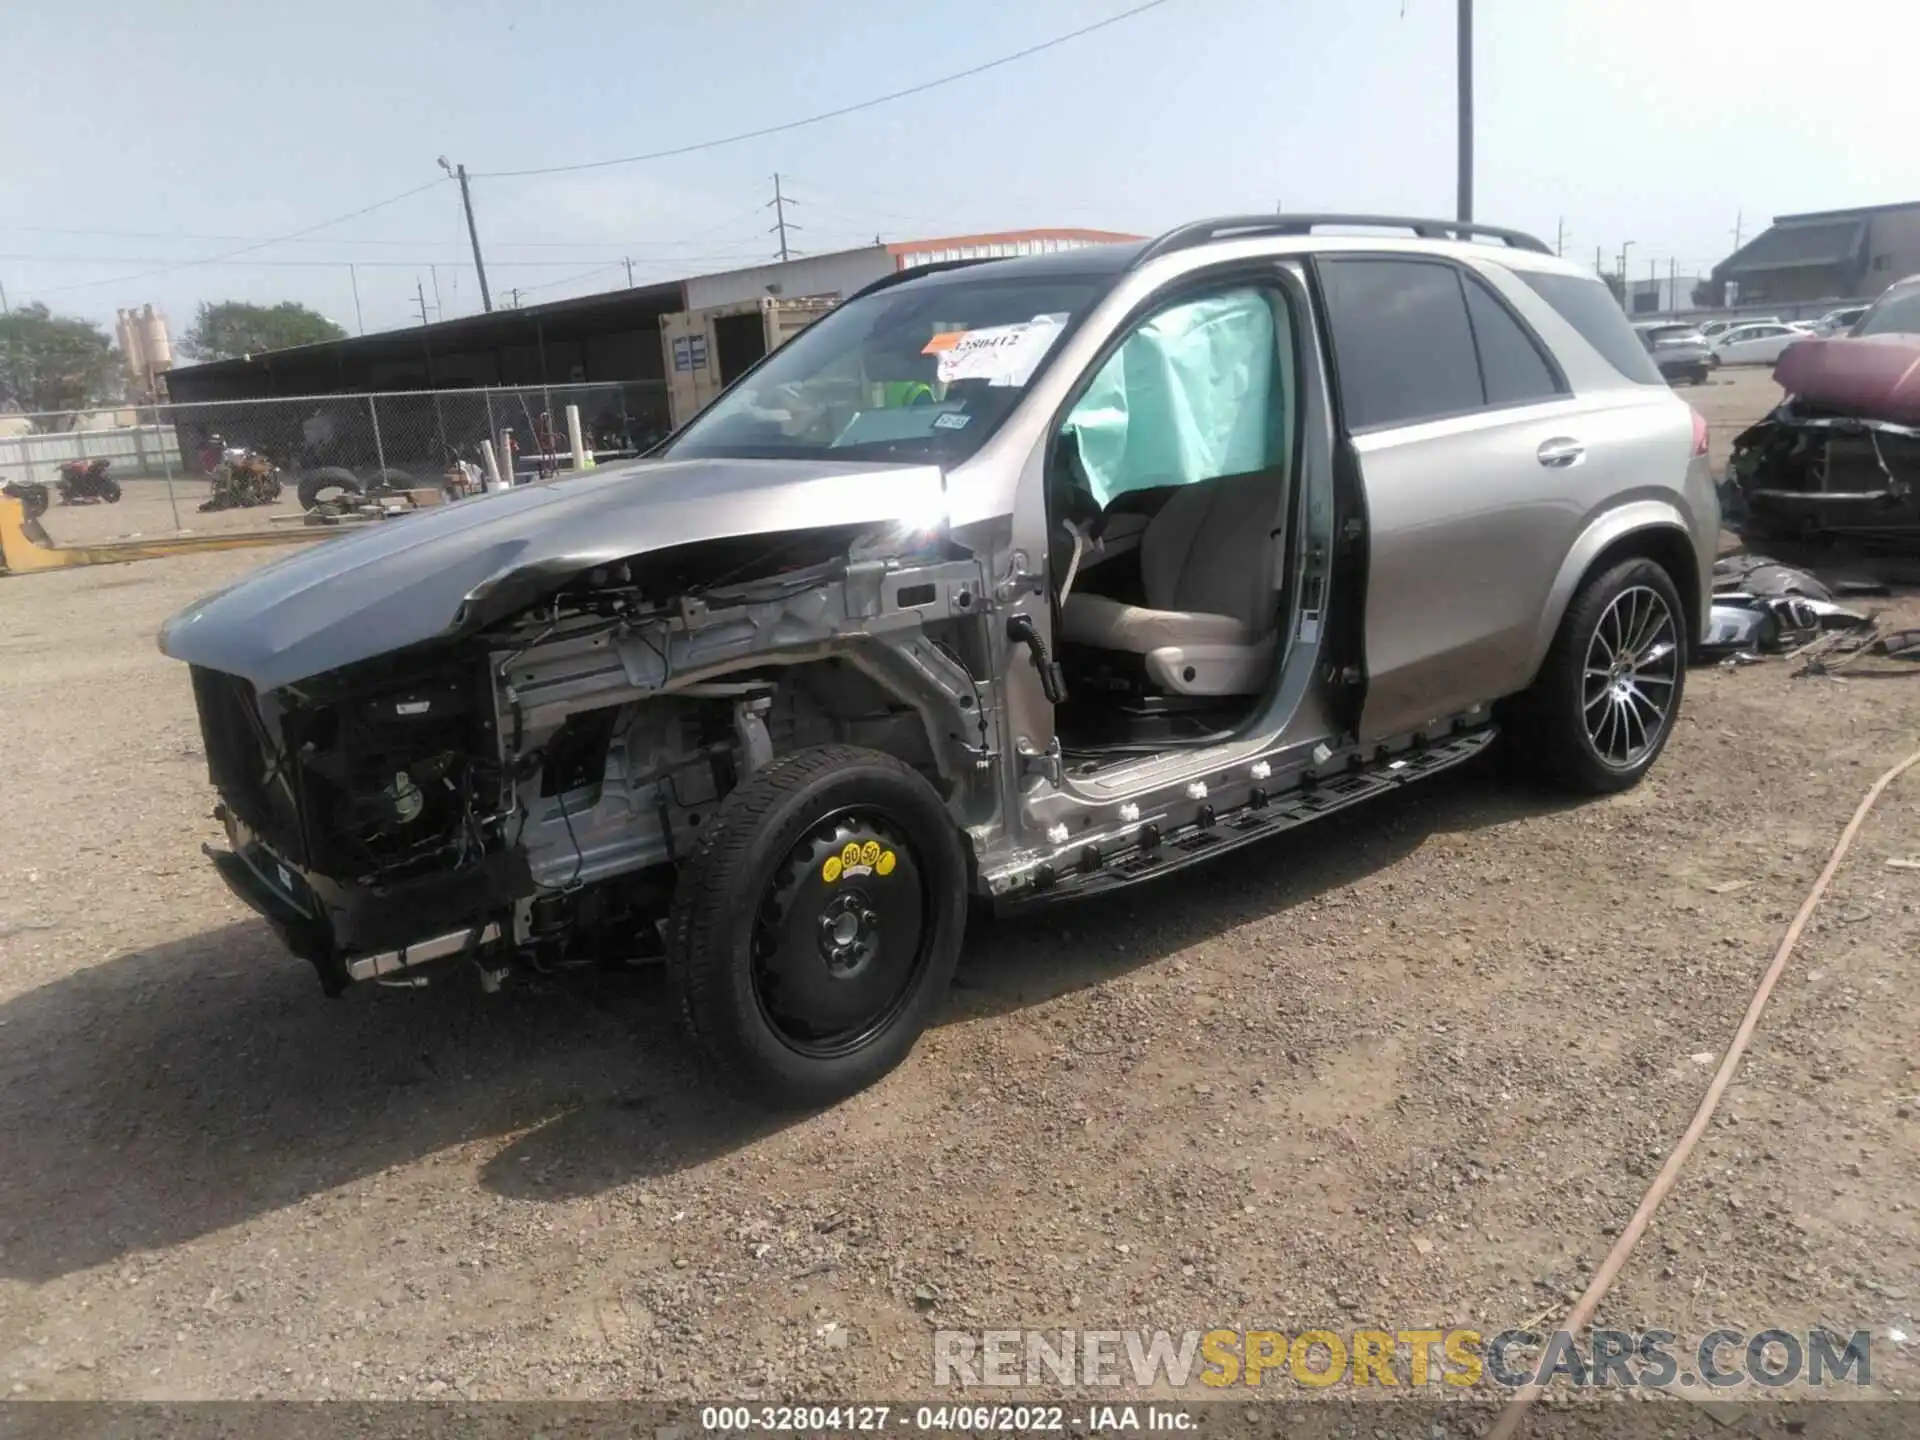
{"x":1699,"y":433}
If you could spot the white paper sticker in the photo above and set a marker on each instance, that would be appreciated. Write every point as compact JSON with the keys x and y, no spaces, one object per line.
{"x":951,"y":420}
{"x":1000,"y":354}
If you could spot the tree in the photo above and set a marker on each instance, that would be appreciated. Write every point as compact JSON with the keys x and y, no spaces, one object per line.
{"x":56,"y":363}
{"x":233,"y":328}
{"x":1706,"y":294}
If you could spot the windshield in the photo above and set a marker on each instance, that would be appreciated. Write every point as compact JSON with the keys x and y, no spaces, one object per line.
{"x":923,"y":372}
{"x":1894,"y":314}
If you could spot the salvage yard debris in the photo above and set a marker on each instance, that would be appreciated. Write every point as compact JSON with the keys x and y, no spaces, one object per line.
{"x":1840,"y":456}
{"x":1761,"y":606}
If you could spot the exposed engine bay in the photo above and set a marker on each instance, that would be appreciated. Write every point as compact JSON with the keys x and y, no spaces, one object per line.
{"x":1808,"y":471}
{"x":1840,"y":457}
{"x":521,"y":794}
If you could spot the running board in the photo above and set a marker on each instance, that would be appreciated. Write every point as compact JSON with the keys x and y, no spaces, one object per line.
{"x":1156,"y":849}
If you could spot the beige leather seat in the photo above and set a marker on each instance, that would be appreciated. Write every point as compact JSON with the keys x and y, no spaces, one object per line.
{"x":1207,"y":563}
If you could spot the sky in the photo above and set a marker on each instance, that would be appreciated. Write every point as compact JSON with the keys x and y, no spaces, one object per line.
{"x":173,"y":133}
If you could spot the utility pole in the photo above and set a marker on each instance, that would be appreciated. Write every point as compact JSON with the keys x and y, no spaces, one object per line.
{"x":1673,"y":286}
{"x":1739,"y":216}
{"x":1464,"y":203}
{"x":629,"y":260}
{"x":359,"y":320}
{"x":439,"y":310}
{"x":459,"y":172}
{"x":781,"y":224}
{"x":515,"y":293}
{"x":1560,"y":236}
{"x":1598,"y":267}
{"x":1625,"y":246}
{"x":420,"y":299}
{"x":5,"y":309}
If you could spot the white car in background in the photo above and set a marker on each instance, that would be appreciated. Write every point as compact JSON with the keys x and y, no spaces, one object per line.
{"x":1755,"y":344}
{"x":1714,"y":329}
{"x":1838,"y":322}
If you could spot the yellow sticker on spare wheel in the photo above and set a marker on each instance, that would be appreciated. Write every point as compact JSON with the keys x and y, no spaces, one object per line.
{"x":884,"y":865}
{"x":850,"y":854}
{"x":870,"y":853}
{"x":830,"y":871}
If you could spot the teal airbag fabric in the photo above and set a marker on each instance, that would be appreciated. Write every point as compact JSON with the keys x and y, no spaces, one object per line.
{"x":1187,"y":397}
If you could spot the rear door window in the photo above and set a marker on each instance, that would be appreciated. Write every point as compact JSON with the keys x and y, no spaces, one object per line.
{"x":1418,"y":340}
{"x":1402,"y":343}
{"x":1589,"y":307}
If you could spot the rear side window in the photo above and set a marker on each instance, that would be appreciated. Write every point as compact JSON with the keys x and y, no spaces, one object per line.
{"x":1515,"y":371}
{"x":1589,"y":307}
{"x":1401,"y":341}
{"x":1417,"y":340}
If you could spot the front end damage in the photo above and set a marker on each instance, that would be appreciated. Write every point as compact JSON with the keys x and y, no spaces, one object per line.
{"x":519,"y":796}
{"x":1840,"y":457}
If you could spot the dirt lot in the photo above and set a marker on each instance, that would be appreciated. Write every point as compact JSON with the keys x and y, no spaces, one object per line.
{"x":1412,"y":1068}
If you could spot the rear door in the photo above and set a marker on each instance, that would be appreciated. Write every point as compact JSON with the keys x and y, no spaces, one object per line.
{"x":1465,"y":431}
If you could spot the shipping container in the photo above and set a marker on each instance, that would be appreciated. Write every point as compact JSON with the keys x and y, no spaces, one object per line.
{"x":706,"y":350}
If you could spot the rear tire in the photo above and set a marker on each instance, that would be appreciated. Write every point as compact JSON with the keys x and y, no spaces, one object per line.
{"x":1604,"y":703}
{"x":816,"y":925}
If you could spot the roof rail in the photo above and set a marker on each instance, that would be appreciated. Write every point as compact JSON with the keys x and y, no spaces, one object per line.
{"x":1200,"y":232}
{"x":913,"y":272}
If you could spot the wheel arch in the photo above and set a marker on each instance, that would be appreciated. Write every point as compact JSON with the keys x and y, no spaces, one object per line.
{"x":1645,"y":529}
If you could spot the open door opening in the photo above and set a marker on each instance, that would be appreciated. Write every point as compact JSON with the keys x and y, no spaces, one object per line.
{"x":1169,"y":485}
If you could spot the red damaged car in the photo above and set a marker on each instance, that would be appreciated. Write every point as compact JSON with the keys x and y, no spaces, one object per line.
{"x":1840,"y":456}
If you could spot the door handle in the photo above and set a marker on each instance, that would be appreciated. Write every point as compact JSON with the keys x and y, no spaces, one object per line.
{"x":1560,"y":452}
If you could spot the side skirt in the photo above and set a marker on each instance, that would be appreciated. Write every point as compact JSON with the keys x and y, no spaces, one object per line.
{"x":1154,"y":850}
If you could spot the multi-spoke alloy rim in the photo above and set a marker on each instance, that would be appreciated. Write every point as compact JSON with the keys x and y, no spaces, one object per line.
{"x":1633,"y":666}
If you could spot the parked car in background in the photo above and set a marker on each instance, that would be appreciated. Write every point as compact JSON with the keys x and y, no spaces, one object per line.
{"x":1756,"y":344}
{"x":1838,"y":322}
{"x":1714,"y":329}
{"x":1677,"y":348}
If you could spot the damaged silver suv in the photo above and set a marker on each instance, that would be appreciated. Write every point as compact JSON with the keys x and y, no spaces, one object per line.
{"x":1018,"y":579}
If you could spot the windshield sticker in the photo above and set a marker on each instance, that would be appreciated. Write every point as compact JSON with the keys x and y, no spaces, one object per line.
{"x":999,"y":354}
{"x":942,"y":342}
{"x":951,"y":420}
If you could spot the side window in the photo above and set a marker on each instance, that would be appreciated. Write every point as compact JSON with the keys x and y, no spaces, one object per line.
{"x":1510,"y":360}
{"x":1196,"y":391}
{"x":1589,"y":307}
{"x":1402,"y":343}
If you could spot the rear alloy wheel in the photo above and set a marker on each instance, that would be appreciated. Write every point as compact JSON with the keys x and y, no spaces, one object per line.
{"x":817,"y":924}
{"x":1603,"y":706}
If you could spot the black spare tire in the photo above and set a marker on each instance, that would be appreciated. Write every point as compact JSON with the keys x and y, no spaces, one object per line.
{"x":816,"y":925}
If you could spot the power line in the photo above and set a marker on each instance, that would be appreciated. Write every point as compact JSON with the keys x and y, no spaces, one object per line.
{"x":834,"y":114}
{"x":249,"y":249}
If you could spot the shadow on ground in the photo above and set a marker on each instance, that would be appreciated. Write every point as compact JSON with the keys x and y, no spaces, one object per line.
{"x":169,"y":1093}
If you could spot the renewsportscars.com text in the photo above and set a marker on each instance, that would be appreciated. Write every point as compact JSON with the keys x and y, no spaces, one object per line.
{"x":1411,"y":1358}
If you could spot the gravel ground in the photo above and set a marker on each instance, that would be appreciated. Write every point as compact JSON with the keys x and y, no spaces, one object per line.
{"x":1413,"y":1067}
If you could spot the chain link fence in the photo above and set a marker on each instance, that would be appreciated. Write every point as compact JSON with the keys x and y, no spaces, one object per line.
{"x":164,"y":459}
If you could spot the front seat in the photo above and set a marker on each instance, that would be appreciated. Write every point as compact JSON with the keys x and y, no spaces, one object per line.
{"x":1207,"y":566}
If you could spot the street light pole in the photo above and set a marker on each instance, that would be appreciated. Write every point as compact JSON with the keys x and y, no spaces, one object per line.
{"x":1625,"y":304}
{"x":473,"y":233}
{"x":1464,"y":200}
